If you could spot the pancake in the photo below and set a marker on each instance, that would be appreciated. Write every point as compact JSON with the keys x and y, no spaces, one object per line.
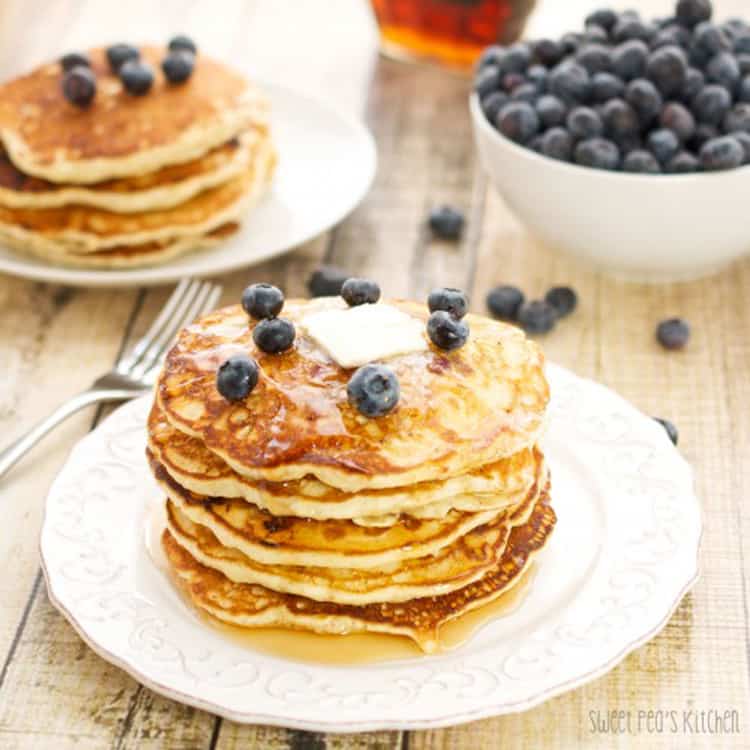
{"x":290,"y":540}
{"x":465,"y":560}
{"x":492,"y":486}
{"x":120,"y":135}
{"x":57,"y":233}
{"x":253,"y":606}
{"x":161,"y":189}
{"x":457,"y":410}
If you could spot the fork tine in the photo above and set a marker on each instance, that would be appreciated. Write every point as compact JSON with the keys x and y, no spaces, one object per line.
{"x":188,"y":311}
{"x":134,"y":355}
{"x":208,"y":304}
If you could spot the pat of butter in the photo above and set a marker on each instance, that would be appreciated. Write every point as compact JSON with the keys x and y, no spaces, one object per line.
{"x":367,"y":333}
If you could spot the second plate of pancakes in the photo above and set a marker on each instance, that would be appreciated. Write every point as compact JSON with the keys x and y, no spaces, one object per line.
{"x":326,"y":163}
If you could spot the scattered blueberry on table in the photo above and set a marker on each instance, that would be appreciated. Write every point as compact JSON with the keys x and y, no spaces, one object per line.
{"x":327,"y":281}
{"x":537,"y":316}
{"x":673,"y":333}
{"x":563,"y":299}
{"x":446,"y":222}
{"x":509,"y":303}
{"x":503,"y":301}
{"x":670,"y":429}
{"x":667,"y":96}
{"x":373,"y":390}
{"x":236,"y":377}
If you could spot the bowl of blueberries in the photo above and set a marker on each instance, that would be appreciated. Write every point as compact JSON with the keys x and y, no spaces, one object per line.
{"x":625,"y":144}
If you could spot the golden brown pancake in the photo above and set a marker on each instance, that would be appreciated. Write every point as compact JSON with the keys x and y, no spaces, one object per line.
{"x":121,"y":135}
{"x":252,"y":605}
{"x":457,"y":410}
{"x":164,"y":188}
{"x":290,"y":540}
{"x":190,"y":464}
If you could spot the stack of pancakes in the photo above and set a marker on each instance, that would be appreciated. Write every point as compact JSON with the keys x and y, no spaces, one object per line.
{"x":130,"y":180}
{"x":290,"y":508}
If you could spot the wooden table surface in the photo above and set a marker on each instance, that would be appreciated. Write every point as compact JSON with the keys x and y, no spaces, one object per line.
{"x":56,"y":693}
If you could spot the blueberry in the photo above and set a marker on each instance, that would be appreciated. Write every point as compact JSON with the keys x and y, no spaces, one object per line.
{"x":373,"y":390}
{"x":620,"y":119}
{"x":118,"y":54}
{"x":236,"y":377}
{"x":137,"y":77}
{"x":703,"y":133}
{"x":535,"y":144}
{"x":692,"y":12}
{"x":570,"y":82}
{"x":526,"y":92}
{"x":445,"y":331}
{"x":550,"y":110}
{"x":694,"y":82}
{"x":262,"y":301}
{"x":326,"y":281}
{"x":596,"y":58}
{"x":73,"y":60}
{"x":445,"y":222}
{"x":605,"y":86}
{"x":711,"y":104}
{"x":672,"y":35}
{"x":641,"y":161}
{"x":503,"y":302}
{"x":742,"y":43}
{"x":548,"y":51}
{"x":356,"y":291}
{"x":629,"y":59}
{"x":537,"y":74}
{"x":595,"y":34}
{"x":492,"y":55}
{"x":453,"y":301}
{"x":670,"y":429}
{"x":487,"y":80}
{"x":598,"y":153}
{"x":738,"y":119}
{"x":557,"y":143}
{"x":493,"y":103}
{"x":628,"y":27}
{"x":644,"y":98}
{"x":79,"y":86}
{"x":682,"y":163}
{"x":584,"y":122}
{"x":178,"y":66}
{"x":709,"y":40}
{"x":537,"y":316}
{"x":563,"y":299}
{"x":743,"y":91}
{"x":679,"y":120}
{"x":511,"y":81}
{"x":274,"y":335}
{"x":743,"y":63}
{"x":724,"y":70}
{"x":663,"y":144}
{"x":518,"y":121}
{"x":517,"y":58}
{"x":182,"y":43}
{"x":571,"y":41}
{"x":744,"y":141}
{"x":667,"y":68}
{"x":724,"y":152}
{"x":673,"y":333}
{"x":629,"y":143}
{"x":605,"y":17}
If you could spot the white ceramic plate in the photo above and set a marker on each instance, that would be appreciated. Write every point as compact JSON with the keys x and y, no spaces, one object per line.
{"x":326,"y":165}
{"x":623,"y":554}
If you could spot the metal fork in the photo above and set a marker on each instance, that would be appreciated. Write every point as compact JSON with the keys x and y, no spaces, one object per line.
{"x":136,"y":372}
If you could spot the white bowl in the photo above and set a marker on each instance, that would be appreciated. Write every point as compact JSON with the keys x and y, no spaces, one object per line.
{"x":651,"y":228}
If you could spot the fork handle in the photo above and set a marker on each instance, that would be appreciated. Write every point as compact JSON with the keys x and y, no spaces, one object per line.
{"x":17,"y":450}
